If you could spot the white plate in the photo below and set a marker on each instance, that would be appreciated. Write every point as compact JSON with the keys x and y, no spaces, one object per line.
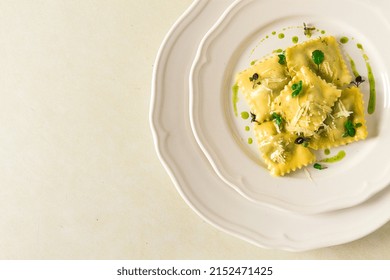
{"x":249,"y":30}
{"x":196,"y":180}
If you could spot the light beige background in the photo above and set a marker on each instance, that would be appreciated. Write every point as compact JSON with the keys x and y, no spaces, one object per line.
{"x":79,"y":175}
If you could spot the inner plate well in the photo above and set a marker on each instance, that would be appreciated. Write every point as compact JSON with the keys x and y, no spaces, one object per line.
{"x":247,"y":32}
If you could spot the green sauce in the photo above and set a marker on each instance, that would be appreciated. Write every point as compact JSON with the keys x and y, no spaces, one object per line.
{"x":371,"y":81}
{"x":244,"y":115}
{"x":278,"y":51}
{"x":281,"y":36}
{"x":335,"y":158}
{"x":250,"y":140}
{"x":247,"y":128}
{"x":327,"y":152}
{"x":253,"y":62}
{"x":273,"y":32}
{"x":295,"y":39}
{"x":323,"y":31}
{"x":344,"y":40}
{"x":353,"y":66}
{"x":235,"y":98}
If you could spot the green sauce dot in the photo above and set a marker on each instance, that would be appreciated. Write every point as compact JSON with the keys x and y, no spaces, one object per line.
{"x":327,"y":152}
{"x":359,"y":46}
{"x":295,"y":39}
{"x":247,"y":128}
{"x":344,"y":40}
{"x":323,"y":31}
{"x":250,"y":140}
{"x":281,"y":36}
{"x":273,"y":32}
{"x":244,"y":115}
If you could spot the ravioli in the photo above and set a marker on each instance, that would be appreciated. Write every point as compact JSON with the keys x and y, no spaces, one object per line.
{"x":279,"y":150}
{"x":333,"y":69}
{"x":306,"y":112}
{"x":261,"y":84}
{"x":333,"y":132}
{"x":302,"y":105}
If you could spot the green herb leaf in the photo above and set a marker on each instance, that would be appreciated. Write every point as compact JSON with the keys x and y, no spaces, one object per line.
{"x":278,"y":119}
{"x":318,"y":57}
{"x":358,"y":125}
{"x":297,"y":88}
{"x":349,"y":129}
{"x":282,"y":59}
{"x":319,"y":166}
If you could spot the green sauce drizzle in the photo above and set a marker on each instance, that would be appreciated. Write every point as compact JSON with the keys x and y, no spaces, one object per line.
{"x":244,"y":115}
{"x":344,"y":40}
{"x":235,"y":98}
{"x":250,"y":140}
{"x":327,"y":152}
{"x":335,"y":158}
{"x":323,"y":31}
{"x":371,"y":81}
{"x":253,"y":62}
{"x":281,"y":36}
{"x":372,"y":99}
{"x":295,"y":39}
{"x":278,"y":51}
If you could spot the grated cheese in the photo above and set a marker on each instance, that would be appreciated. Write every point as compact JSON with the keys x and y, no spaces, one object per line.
{"x":327,"y":69}
{"x":342,"y":111}
{"x":278,"y":155}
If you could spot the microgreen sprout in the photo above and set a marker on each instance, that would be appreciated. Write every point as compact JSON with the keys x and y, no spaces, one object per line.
{"x":297,"y":88}
{"x":350,"y":128}
{"x":318,"y":57}
{"x":358,"y":80}
{"x":307,"y":30}
{"x":302,"y":141}
{"x":254,"y":79}
{"x":282,"y":59}
{"x":319,"y":166}
{"x":253,"y":118}
{"x":278,"y":119}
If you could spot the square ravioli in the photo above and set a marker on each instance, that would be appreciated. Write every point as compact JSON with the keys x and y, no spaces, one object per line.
{"x":305,"y":102}
{"x":346,"y":123}
{"x":279,"y":151}
{"x":261,"y":84}
{"x":332,"y":68}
